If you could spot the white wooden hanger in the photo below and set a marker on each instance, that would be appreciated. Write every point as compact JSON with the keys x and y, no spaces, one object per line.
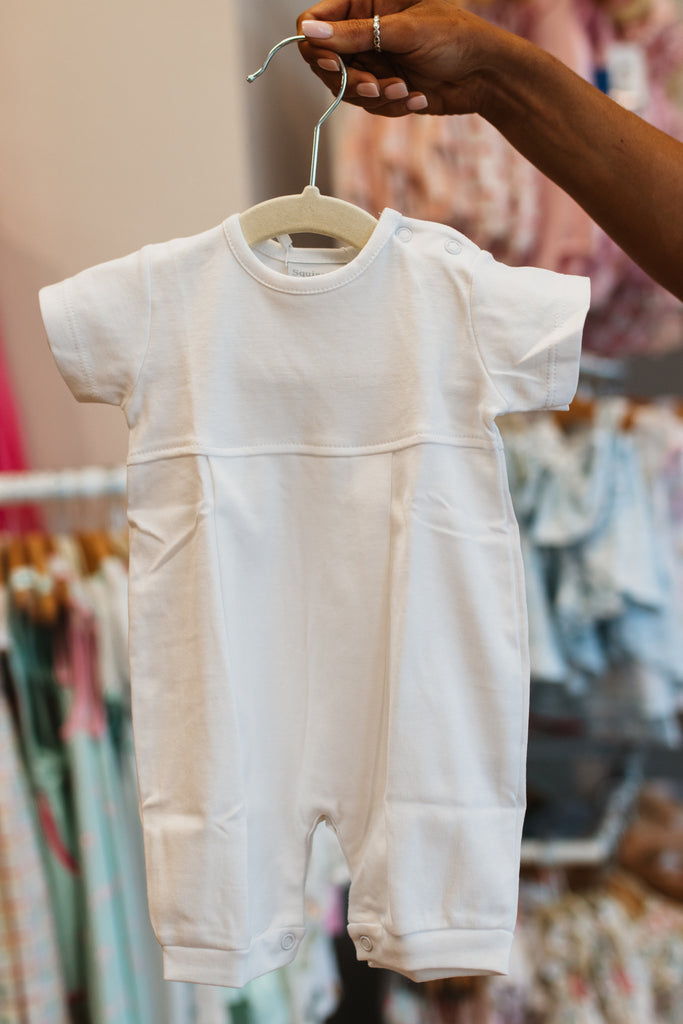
{"x":309,"y":211}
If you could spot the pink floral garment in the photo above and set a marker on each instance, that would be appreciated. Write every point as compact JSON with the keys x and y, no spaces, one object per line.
{"x":460,"y":171}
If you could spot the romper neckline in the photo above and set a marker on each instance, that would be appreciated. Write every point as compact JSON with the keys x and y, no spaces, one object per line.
{"x":387,"y":223}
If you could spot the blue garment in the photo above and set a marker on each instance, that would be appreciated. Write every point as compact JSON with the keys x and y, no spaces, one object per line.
{"x":601,"y":589}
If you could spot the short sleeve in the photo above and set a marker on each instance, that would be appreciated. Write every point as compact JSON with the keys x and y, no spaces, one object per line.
{"x":98,"y":325}
{"x":528,"y":325}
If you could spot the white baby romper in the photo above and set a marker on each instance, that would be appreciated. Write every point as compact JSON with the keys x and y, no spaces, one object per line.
{"x":327,"y":618}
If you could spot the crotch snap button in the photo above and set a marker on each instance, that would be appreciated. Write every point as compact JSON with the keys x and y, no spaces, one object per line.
{"x":366,"y":943}
{"x":453,"y":246}
{"x":404,"y":234}
{"x":288,"y":941}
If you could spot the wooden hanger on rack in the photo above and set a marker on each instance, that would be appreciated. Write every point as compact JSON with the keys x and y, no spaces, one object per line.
{"x":95,"y":547}
{"x":580,"y":413}
{"x":310,"y":211}
{"x":16,"y":560}
{"x":45,"y":604}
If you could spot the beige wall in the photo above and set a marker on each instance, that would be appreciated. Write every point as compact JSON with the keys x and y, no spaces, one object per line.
{"x":121,"y":124}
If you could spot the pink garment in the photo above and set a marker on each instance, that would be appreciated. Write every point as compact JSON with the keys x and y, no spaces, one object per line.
{"x":460,"y":171}
{"x":566,"y":236}
{"x":630,"y":313}
{"x":456,"y":171}
{"x":12,"y":459}
{"x":453,"y":170}
{"x":76,"y":666}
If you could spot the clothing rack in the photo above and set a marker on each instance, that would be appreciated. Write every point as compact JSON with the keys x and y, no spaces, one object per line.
{"x":602,"y":367}
{"x":601,"y":375}
{"x":62,"y":485}
{"x":598,"y":848}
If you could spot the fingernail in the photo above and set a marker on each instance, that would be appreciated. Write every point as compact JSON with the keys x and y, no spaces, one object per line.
{"x":368,"y":89}
{"x":396,"y":91}
{"x":317,"y":29}
{"x":417,"y":102}
{"x":327,"y":64}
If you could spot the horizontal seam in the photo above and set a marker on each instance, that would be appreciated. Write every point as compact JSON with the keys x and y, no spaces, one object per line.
{"x":257,"y":940}
{"x":369,"y":925}
{"x":466,"y":808}
{"x":464,"y":441}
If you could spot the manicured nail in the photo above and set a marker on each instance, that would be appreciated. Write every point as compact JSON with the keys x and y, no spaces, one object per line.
{"x":396,"y":91}
{"x":317,"y":29}
{"x":327,"y":64}
{"x":418,"y":102}
{"x":368,"y":89}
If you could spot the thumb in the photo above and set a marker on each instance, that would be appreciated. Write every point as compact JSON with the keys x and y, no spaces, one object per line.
{"x":357,"y":35}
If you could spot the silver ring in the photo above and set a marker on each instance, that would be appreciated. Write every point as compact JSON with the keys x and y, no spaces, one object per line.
{"x":376,"y":41}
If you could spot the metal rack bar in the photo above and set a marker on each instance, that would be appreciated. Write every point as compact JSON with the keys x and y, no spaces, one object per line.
{"x":61,"y":485}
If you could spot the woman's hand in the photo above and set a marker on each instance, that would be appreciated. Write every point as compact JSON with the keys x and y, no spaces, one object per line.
{"x":434,"y":55}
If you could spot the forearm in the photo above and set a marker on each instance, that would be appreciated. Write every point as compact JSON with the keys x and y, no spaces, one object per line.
{"x":627,"y":175}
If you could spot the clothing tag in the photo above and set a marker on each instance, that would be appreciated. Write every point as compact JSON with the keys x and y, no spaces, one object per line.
{"x":294,"y":261}
{"x":314,"y":262}
{"x":627,"y":75}
{"x":308,"y":269}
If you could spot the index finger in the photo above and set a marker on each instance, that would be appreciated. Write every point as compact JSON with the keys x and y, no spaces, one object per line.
{"x":356,"y":35}
{"x":337,"y":10}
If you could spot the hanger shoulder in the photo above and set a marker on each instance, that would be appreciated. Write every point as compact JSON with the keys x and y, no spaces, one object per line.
{"x":309,"y":211}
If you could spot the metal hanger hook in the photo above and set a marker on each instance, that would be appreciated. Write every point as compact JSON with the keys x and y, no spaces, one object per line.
{"x":332,"y":107}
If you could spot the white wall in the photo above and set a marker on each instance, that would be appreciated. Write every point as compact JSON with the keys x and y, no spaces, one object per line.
{"x":120,"y":124}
